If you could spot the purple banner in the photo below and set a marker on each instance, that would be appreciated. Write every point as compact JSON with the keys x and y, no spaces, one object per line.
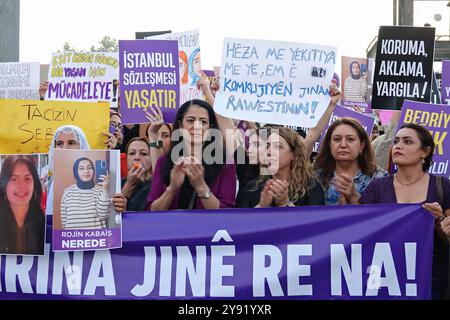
{"x":436,"y":118}
{"x":320,"y":252}
{"x":149,"y":77}
{"x":365,"y":120}
{"x":445,"y":82}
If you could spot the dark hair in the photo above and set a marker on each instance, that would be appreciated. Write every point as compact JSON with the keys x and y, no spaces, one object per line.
{"x":426,"y":140}
{"x":327,"y":164}
{"x":168,"y":125}
{"x":143,"y":139}
{"x":211,"y":170}
{"x":355,"y":76}
{"x":114,"y":113}
{"x":6,"y":173}
{"x":80,"y":183}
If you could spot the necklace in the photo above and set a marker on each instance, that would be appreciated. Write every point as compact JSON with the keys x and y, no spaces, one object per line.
{"x":408,"y":184}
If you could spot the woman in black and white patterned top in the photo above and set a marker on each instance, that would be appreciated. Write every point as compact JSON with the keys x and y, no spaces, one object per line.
{"x":85,"y":205}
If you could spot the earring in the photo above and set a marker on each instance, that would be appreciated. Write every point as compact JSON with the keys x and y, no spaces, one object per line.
{"x":423,"y":160}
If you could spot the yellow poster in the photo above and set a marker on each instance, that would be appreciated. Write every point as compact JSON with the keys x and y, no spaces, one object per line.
{"x":27,"y":126}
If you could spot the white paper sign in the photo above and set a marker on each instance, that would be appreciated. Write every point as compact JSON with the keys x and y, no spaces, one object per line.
{"x":19,"y":80}
{"x":83,"y":76}
{"x":189,"y":60}
{"x":275,"y":82}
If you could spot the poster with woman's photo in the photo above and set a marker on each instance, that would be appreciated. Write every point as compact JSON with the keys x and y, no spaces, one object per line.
{"x":84,"y":217}
{"x":357,"y":80}
{"x":22,"y":204}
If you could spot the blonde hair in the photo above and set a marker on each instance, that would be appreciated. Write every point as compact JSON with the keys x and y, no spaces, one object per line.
{"x":300,"y":175}
{"x":301,"y":171}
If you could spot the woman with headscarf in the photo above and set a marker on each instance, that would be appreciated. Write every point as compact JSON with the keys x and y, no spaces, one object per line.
{"x":194,"y":67}
{"x":65,"y":137}
{"x":85,"y":205}
{"x":355,"y":86}
{"x":71,"y":137}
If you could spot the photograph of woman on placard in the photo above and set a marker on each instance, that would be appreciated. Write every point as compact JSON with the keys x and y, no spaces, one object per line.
{"x":86,"y":204}
{"x":194,"y":64}
{"x":355,"y":72}
{"x":22,"y":220}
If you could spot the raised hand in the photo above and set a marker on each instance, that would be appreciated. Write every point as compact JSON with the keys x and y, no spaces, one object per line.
{"x":156,"y":119}
{"x":111,"y":142}
{"x":335,"y":93}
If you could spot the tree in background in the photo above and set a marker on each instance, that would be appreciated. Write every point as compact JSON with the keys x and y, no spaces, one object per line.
{"x":106,"y":44}
{"x":67,"y":48}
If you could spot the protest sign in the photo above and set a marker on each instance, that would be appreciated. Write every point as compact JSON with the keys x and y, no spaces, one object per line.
{"x":275,"y":82}
{"x":23,"y":180}
{"x":189,"y":62}
{"x":436,"y":118}
{"x":435,"y":90}
{"x":319,"y":252}
{"x":148,"y":78}
{"x":357,"y":85}
{"x":83,"y":215}
{"x":445,"y":82}
{"x":19,"y":80}
{"x":403,"y":67}
{"x":27,"y":126}
{"x":365,"y":120}
{"x":83,"y":76}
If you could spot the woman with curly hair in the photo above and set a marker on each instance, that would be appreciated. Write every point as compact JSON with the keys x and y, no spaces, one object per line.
{"x":290,"y":181}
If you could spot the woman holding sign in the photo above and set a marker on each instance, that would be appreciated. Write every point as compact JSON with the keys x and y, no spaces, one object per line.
{"x":413,"y":153}
{"x":345,"y":164}
{"x":72,"y":137}
{"x":22,"y":222}
{"x":195,"y":173}
{"x":290,"y":181}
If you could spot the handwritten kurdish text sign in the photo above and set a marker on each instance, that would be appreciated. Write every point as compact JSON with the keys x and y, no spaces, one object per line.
{"x":149,"y":77}
{"x":27,"y":126}
{"x":321,"y":252}
{"x":83,"y":76}
{"x":275,"y":82}
{"x":445,"y":82}
{"x":436,"y":118}
{"x":403,"y":67}
{"x":19,"y":80}
{"x":189,"y":62}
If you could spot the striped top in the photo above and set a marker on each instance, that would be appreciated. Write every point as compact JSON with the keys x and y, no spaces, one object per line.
{"x":355,"y":90}
{"x":84,"y":209}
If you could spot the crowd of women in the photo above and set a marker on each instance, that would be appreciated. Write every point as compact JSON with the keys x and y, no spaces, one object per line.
{"x":164,"y":167}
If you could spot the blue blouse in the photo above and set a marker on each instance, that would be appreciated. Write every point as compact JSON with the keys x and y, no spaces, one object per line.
{"x":361,"y":182}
